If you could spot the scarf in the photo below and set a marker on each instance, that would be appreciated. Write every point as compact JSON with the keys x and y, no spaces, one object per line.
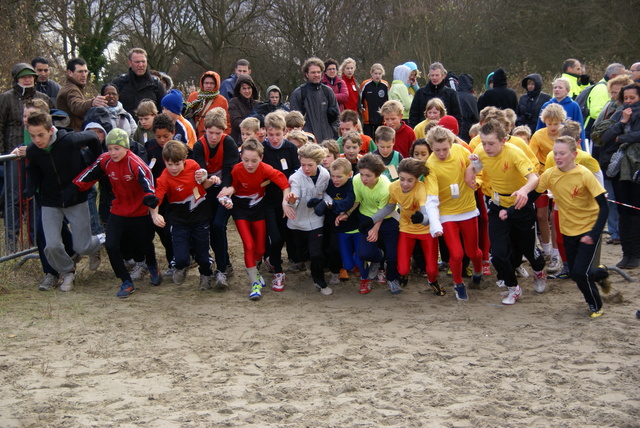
{"x":195,"y":107}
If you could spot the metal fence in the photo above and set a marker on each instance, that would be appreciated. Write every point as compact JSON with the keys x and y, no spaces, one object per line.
{"x":18,"y":214}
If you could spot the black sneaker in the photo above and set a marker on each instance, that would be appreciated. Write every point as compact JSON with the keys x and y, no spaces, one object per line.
{"x":437,"y":290}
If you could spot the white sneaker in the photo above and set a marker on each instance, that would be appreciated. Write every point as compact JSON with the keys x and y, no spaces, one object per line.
{"x":500,"y":283}
{"x":521,"y":272}
{"x":555,"y":265}
{"x":66,"y":283}
{"x":220,"y":280}
{"x":327,"y":291}
{"x":94,"y":260}
{"x":334,"y":279}
{"x":277,"y":284}
{"x":102,"y":238}
{"x":513,"y":296}
{"x":139,"y":271}
{"x":539,"y":281}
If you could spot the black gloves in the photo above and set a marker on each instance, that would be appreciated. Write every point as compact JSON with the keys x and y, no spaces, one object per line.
{"x":320,"y":208}
{"x":365,"y":225}
{"x":417,"y":217}
{"x":313,"y":202}
{"x":69,"y":195}
{"x":151,"y":201}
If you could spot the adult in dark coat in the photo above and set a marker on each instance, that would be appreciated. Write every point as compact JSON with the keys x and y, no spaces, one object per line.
{"x":468,"y":105}
{"x":531,"y":103}
{"x":242,"y":104}
{"x":500,"y":95}
{"x":435,"y":88}
{"x":138,"y":84}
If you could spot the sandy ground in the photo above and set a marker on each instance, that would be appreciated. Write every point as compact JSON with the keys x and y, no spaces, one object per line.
{"x":172,"y":356}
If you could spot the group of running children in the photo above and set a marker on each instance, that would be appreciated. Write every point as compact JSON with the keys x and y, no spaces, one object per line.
{"x":352,"y":205}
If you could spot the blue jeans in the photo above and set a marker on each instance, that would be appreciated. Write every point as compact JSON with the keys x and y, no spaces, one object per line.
{"x":612,"y":220}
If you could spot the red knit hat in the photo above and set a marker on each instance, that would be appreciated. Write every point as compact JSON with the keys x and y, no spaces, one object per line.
{"x":449,"y":122}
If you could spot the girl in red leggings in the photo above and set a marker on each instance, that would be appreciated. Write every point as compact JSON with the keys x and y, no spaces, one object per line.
{"x":245,"y":198}
{"x":451,"y":205}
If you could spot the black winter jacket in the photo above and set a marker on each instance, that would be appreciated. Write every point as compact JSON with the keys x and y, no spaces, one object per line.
{"x":133,"y":89}
{"x":49,"y":172}
{"x":531,"y":103}
{"x":448,"y":96}
{"x":500,"y":96}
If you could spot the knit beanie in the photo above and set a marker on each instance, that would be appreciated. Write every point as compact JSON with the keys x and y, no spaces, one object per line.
{"x":117,"y":136}
{"x":173,"y":101}
{"x":450,"y":123}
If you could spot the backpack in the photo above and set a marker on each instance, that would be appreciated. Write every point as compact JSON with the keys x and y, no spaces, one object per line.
{"x":583,"y":100}
{"x":598,"y":130}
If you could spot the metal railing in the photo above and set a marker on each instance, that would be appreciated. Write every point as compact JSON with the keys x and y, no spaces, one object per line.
{"x":18,"y":226}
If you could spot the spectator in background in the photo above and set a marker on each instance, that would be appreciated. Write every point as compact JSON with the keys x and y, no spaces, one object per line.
{"x":413,"y":77}
{"x":561,"y":90}
{"x":120,"y":118}
{"x":227,"y":87}
{"x":43,"y":83}
{"x":206,"y":99}
{"x":468,"y":105}
{"x":332,"y":80}
{"x":531,"y":103}
{"x":71,"y":97}
{"x":316,"y":102}
{"x":634,"y":72}
{"x":500,"y":95}
{"x":435,"y":88}
{"x":400,"y":88}
{"x":242,"y":104}
{"x":374,"y":92}
{"x":347,"y":72}
{"x":138,"y":83}
{"x":572,"y":71}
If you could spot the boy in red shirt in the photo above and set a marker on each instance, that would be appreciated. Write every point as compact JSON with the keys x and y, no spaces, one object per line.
{"x":185,"y":186}
{"x":250,"y":179}
{"x":391,"y":112}
{"x":132,"y":185}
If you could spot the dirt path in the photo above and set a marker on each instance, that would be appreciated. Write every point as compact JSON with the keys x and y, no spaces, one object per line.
{"x":172,"y":356}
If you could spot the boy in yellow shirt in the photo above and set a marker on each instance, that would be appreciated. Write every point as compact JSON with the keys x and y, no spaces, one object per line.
{"x":583,"y":211}
{"x":512,"y":177}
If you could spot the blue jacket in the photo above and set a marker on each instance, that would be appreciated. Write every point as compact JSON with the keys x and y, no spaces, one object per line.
{"x":573,"y":112}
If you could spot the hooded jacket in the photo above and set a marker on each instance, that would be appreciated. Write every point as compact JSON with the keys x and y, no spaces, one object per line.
{"x":11,"y":109}
{"x":468,"y":105}
{"x":266,"y":107}
{"x":240,"y":107}
{"x":531,"y":103}
{"x":448,"y":96}
{"x":200,"y":102}
{"x":500,"y":96}
{"x":306,"y":189}
{"x":400,"y":88}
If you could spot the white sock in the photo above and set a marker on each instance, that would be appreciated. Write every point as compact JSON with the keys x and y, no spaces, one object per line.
{"x":546,"y":247}
{"x":253,"y":274}
{"x":555,"y":253}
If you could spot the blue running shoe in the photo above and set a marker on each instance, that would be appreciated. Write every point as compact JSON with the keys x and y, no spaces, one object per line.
{"x":126,"y":289}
